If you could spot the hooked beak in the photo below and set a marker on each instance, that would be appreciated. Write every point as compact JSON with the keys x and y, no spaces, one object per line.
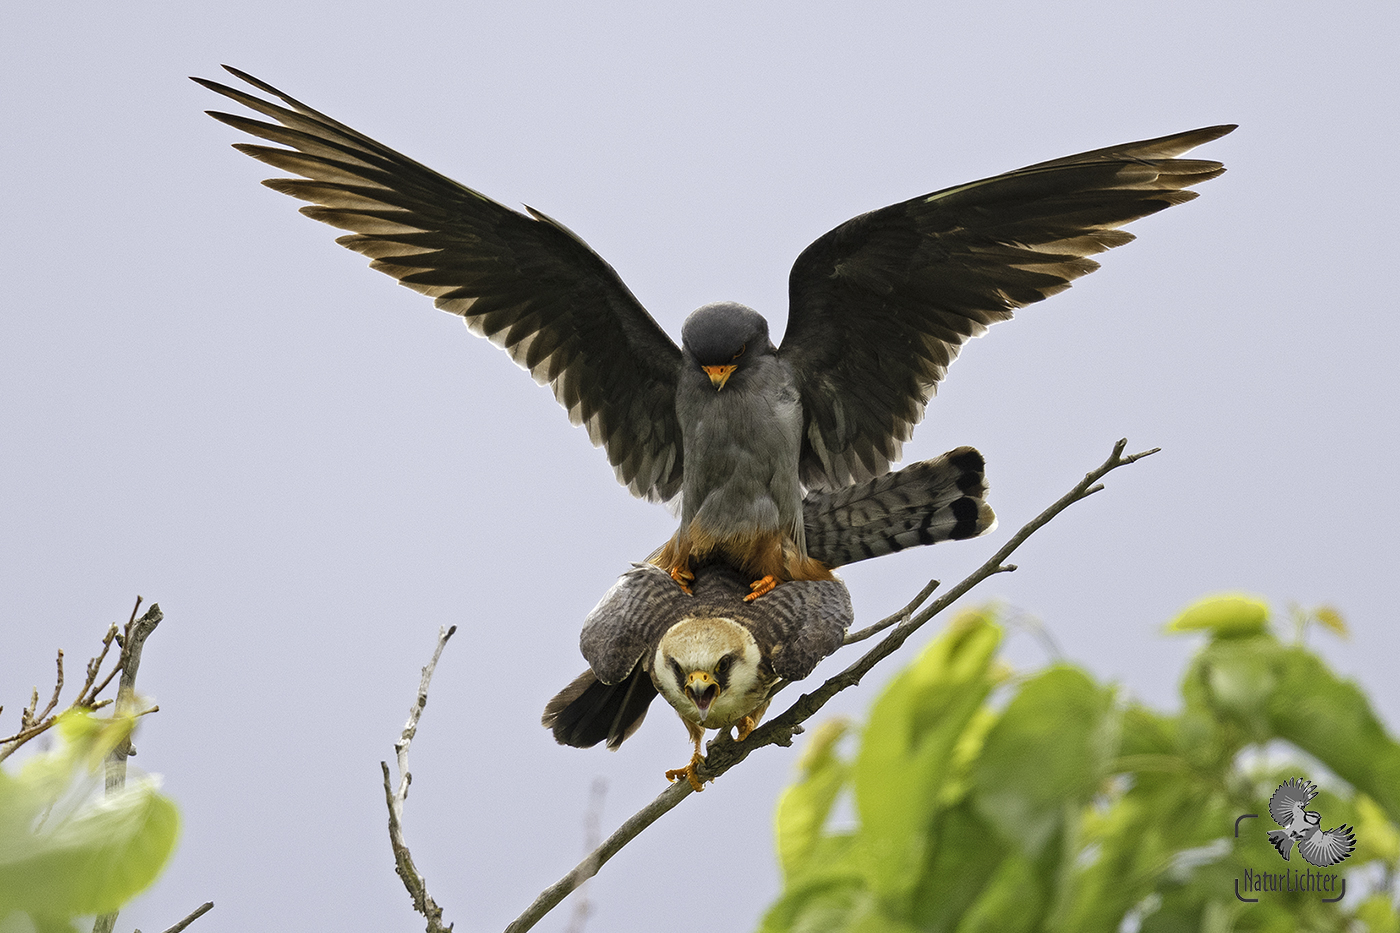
{"x":719,"y":375}
{"x":702,"y":690}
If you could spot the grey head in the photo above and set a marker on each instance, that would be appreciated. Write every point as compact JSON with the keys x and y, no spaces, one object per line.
{"x":723,"y":338}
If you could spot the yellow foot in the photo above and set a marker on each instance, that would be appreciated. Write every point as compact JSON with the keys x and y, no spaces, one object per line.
{"x":760,"y":587}
{"x":683,"y":578}
{"x":746,"y":727}
{"x":688,"y":772}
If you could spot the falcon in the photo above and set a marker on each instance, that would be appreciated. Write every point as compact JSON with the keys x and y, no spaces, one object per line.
{"x":715,"y":655}
{"x":735,"y":427}
{"x":1288,"y":807}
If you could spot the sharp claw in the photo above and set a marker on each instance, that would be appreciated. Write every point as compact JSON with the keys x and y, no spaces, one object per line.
{"x":683,"y":578}
{"x":689,"y":773}
{"x":759,"y":587}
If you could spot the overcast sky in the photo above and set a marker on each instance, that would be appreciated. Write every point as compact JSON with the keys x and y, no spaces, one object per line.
{"x":207,"y":402}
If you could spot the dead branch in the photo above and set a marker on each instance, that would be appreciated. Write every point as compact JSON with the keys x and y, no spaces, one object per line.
{"x":403,"y":860}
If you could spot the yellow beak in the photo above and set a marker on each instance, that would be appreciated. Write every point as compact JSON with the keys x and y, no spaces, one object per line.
{"x":719,"y":375}
{"x":702,"y":690}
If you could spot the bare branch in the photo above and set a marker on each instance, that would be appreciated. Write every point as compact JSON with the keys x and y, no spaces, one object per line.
{"x":33,"y":723}
{"x":57,"y":689}
{"x":586,"y":869}
{"x":783,"y":727}
{"x":194,"y":915}
{"x":394,"y":799}
{"x":137,"y":631}
{"x":89,"y":692}
{"x":898,"y":617}
{"x":725,"y":753}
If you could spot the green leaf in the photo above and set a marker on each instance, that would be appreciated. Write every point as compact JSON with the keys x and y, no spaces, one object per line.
{"x":68,"y":850}
{"x":963,"y":857}
{"x":1275,"y":691}
{"x":1331,"y":619}
{"x":1378,"y":915}
{"x":839,"y":907}
{"x":1226,"y":616}
{"x":1331,"y":718}
{"x":907,"y":751}
{"x":803,"y":807}
{"x":1051,"y":749}
{"x":1012,"y":901}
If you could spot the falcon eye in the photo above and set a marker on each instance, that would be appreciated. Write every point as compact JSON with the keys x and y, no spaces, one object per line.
{"x":740,"y":353}
{"x":722,"y":667}
{"x":680,"y":675}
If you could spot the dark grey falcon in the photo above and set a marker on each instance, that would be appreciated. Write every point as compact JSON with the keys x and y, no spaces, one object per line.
{"x":735,"y":426}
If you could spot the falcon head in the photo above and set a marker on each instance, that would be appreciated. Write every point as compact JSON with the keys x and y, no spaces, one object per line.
{"x":709,"y":670}
{"x":723,"y":337}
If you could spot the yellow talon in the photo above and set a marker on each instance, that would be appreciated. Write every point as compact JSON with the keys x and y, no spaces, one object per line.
{"x":683,"y":578}
{"x":759,"y":587}
{"x":689,"y":773}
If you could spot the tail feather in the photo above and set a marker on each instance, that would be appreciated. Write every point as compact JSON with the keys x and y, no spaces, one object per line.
{"x":934,"y":500}
{"x":589,"y":711}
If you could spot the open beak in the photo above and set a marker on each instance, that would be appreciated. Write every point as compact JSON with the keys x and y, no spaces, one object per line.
{"x":719,"y":375}
{"x":702,"y":690}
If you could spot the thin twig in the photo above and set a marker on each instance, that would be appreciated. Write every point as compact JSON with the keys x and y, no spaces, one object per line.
{"x":403,"y":860}
{"x":57,"y":689}
{"x":134,"y":641}
{"x":894,"y":619}
{"x":90,"y":692}
{"x":194,"y":915}
{"x":586,"y":869}
{"x":725,"y":753}
{"x":33,"y":723}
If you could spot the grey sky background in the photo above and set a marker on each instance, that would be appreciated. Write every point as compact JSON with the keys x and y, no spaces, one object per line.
{"x":206,"y":401}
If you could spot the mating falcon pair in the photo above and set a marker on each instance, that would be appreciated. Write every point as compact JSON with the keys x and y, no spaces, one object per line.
{"x":779,"y":454}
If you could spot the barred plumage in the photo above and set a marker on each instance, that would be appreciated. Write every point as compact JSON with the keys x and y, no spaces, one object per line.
{"x":934,"y":500}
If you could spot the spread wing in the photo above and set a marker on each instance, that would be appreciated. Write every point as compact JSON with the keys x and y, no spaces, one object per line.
{"x":796,"y":625}
{"x":1287,"y":804}
{"x":882,"y":304}
{"x":629,"y":621}
{"x":1327,"y":849}
{"x":799,"y":623}
{"x":525,"y":282}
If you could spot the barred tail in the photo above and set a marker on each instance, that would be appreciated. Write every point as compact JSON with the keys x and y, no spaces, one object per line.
{"x":924,"y":503}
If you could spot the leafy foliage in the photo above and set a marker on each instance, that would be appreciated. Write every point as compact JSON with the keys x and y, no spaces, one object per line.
{"x":67,"y":849}
{"x":990,"y":802}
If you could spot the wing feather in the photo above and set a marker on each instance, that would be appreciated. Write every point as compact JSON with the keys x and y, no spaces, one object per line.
{"x":881,"y":305}
{"x":523,"y":281}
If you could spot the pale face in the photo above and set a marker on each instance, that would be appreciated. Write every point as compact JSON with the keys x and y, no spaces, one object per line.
{"x":708,"y":669}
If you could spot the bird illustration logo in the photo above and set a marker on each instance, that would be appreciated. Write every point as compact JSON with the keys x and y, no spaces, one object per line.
{"x":1288,"y":807}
